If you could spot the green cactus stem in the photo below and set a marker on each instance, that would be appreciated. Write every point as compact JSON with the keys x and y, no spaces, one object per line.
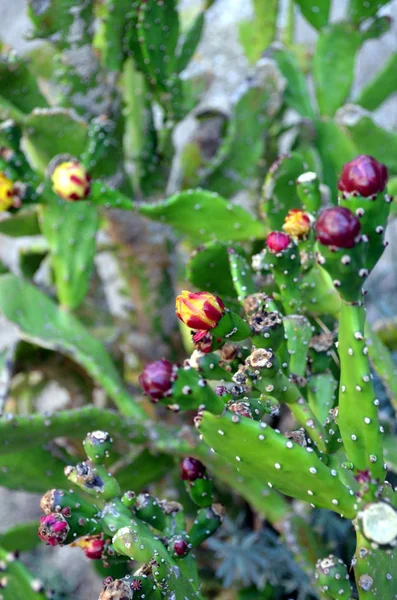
{"x":258,"y":451}
{"x":16,"y":581}
{"x":242,"y":275}
{"x":298,"y":333}
{"x":358,"y":407}
{"x":207,"y":521}
{"x":332,"y":578}
{"x":308,"y":189}
{"x":267,"y":376}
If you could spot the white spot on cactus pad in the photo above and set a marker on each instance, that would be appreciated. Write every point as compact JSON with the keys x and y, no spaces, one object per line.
{"x":379,"y":523}
{"x":307,"y":177}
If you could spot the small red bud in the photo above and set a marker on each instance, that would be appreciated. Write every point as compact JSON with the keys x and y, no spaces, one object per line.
{"x":180,"y":547}
{"x":277,"y":241}
{"x":338,"y":227}
{"x":192,"y":469}
{"x":363,"y":175}
{"x":156,"y":379}
{"x":53,"y":529}
{"x":92,"y":545}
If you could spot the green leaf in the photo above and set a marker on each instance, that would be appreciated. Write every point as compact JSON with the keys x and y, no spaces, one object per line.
{"x":40,"y":321}
{"x":52,"y":131}
{"x":359,"y":10}
{"x":368,"y":137}
{"x":18,"y":433}
{"x":102,"y":195}
{"x":158,"y":33}
{"x":190,"y":43}
{"x":35,"y":471}
{"x":208,"y":269}
{"x":296,"y":94}
{"x":23,"y":223}
{"x":383,"y":85}
{"x":18,"y":86}
{"x":315,"y":11}
{"x":70,"y":230}
{"x":205,"y":216}
{"x":22,"y":537}
{"x":256,"y":35}
{"x":333,"y":66}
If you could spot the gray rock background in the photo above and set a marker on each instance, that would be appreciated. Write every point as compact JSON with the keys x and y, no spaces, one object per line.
{"x":219,"y":52}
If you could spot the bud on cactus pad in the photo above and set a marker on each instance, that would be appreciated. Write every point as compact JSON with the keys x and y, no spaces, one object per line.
{"x":92,"y":545}
{"x":71,"y":181}
{"x":179,"y":546}
{"x":199,"y":310}
{"x":53,"y":529}
{"x":363,"y":176}
{"x":156,"y":379}
{"x":6,"y":192}
{"x":297,"y":224}
{"x":337,"y":227}
{"x":191,"y":469}
{"x":277,"y":241}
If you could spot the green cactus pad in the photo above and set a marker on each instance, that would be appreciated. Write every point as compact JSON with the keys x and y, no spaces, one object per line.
{"x":257,"y":450}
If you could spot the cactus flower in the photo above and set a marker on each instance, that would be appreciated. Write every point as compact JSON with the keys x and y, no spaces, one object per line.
{"x":6,"y":192}
{"x":92,"y":545}
{"x":53,"y":529}
{"x":363,"y":176}
{"x":71,"y":181}
{"x":277,"y":241}
{"x":156,"y":379}
{"x":199,"y":310}
{"x":191,"y":469}
{"x":337,"y":227}
{"x":297,"y":224}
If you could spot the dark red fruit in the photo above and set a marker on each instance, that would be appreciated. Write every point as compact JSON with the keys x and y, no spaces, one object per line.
{"x":156,"y":379}
{"x":337,"y":227}
{"x":180,"y":547}
{"x":363,"y":175}
{"x":277,"y":241}
{"x":192,"y":469}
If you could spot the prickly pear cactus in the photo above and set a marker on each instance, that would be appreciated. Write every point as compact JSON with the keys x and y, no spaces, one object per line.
{"x":155,"y":245}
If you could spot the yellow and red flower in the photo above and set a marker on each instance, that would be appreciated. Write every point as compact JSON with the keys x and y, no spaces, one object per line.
{"x":297,"y":224}
{"x":199,"y":310}
{"x":71,"y":181}
{"x":6,"y":192}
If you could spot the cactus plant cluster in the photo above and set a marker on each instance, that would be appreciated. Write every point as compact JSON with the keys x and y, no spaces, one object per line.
{"x":200,"y":298}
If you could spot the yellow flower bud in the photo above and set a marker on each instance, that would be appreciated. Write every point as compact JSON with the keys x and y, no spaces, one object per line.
{"x":6,"y":192}
{"x":71,"y":181}
{"x":199,"y":310}
{"x":297,"y":224}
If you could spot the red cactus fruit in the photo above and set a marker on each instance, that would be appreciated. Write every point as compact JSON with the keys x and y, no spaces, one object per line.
{"x":92,"y":545}
{"x":192,"y":469}
{"x":180,"y":547}
{"x":338,"y":227}
{"x":364,"y":176}
{"x":53,"y":529}
{"x":277,"y":241}
{"x":156,"y":379}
